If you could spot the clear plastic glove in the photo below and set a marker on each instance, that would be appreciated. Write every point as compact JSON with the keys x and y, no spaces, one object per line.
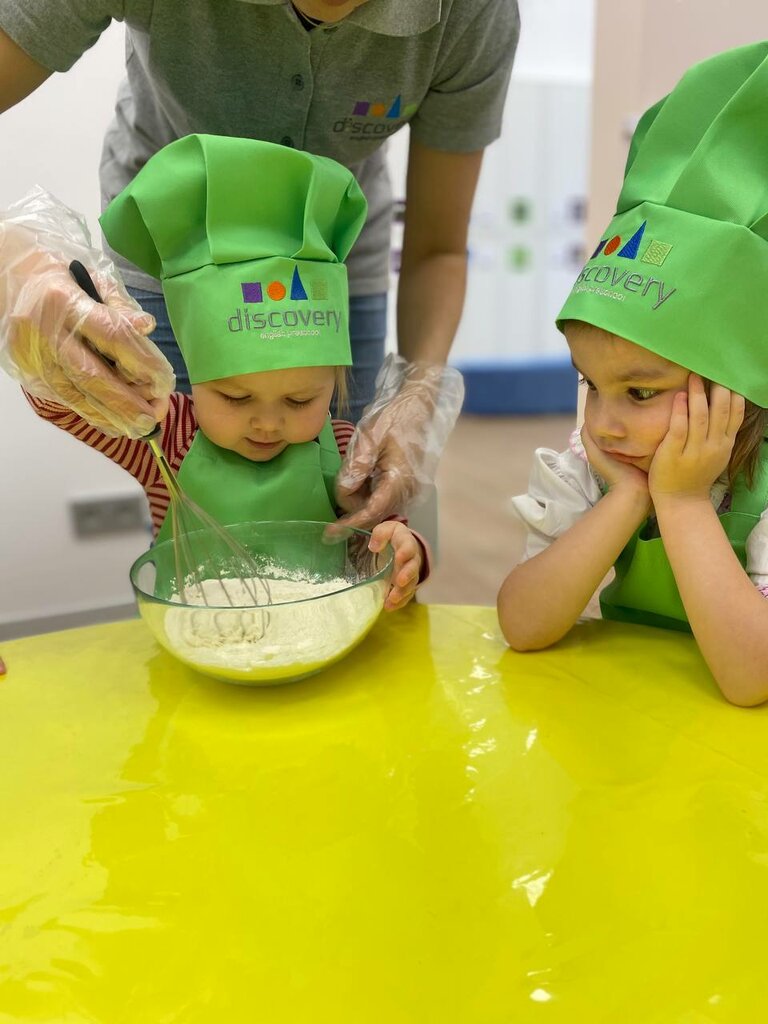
{"x":57,"y":342}
{"x":393,"y":455}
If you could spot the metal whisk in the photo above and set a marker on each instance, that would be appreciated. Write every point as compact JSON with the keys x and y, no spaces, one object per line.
{"x":204,"y":551}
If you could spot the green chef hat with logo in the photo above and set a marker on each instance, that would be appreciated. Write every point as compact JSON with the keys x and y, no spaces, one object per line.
{"x":682,"y":269}
{"x":248,"y":239}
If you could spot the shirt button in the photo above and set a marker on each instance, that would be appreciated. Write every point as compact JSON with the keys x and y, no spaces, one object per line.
{"x":286,"y":141}
{"x":298,"y":81}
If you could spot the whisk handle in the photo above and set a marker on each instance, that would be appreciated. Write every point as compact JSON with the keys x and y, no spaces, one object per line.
{"x":84,"y":279}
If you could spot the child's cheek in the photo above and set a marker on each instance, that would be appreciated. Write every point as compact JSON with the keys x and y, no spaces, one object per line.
{"x":667,"y":415}
{"x":310,"y":422}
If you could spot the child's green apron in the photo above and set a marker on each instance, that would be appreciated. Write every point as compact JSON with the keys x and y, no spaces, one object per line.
{"x":297,"y":484}
{"x":644,"y":590}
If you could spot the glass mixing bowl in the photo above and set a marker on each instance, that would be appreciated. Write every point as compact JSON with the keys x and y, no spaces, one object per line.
{"x":326,"y":593}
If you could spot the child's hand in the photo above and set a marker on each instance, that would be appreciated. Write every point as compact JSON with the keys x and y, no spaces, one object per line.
{"x":698,"y":444}
{"x":613,"y":471}
{"x":408,"y":560}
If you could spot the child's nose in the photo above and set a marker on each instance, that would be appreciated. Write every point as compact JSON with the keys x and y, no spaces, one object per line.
{"x":608,"y":423}
{"x":267,"y":420}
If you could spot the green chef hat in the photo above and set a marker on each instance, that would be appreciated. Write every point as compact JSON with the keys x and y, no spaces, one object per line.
{"x":682,"y":269}
{"x":248,"y":239}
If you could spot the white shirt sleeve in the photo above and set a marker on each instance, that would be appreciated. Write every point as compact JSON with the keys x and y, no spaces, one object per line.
{"x":757,"y":554}
{"x":561,"y":489}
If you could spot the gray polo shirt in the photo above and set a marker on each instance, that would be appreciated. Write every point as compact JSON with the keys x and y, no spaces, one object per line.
{"x":249,"y":68}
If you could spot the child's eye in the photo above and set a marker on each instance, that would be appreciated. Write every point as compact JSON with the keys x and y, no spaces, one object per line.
{"x":643,"y":394}
{"x":232,"y":398}
{"x":296,"y":403}
{"x":590,"y":385}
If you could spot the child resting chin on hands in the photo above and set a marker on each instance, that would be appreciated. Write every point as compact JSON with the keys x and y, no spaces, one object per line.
{"x":668,"y":326}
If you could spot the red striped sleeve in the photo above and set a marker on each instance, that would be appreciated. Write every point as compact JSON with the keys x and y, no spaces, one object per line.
{"x":342,"y":431}
{"x":128,"y":454}
{"x":178,"y":431}
{"x":134,"y":456}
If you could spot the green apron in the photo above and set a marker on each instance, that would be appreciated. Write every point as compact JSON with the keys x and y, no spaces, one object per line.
{"x":297,"y":484}
{"x":644,"y":590}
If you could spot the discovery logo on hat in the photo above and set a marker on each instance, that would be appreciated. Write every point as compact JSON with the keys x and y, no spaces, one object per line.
{"x":614,"y":280}
{"x":291,"y":321}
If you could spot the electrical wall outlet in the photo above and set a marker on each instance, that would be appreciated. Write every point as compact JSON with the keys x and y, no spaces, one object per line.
{"x":97,"y":517}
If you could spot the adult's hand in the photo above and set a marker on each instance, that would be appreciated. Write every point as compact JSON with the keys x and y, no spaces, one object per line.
{"x":393,"y":454}
{"x":60,"y":344}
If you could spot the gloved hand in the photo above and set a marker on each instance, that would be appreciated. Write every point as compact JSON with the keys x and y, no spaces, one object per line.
{"x":61,"y":345}
{"x":393,"y":455}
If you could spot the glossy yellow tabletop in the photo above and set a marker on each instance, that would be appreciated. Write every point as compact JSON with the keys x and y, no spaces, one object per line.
{"x":434,"y":830}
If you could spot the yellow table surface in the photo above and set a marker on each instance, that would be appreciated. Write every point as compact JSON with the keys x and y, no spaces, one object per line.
{"x":435,"y":830}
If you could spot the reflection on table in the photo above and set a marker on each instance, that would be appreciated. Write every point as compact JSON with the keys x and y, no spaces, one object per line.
{"x":435,"y":830}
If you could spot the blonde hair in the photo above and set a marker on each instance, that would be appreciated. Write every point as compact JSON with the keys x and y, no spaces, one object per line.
{"x":341,"y":389}
{"x":749,"y":438}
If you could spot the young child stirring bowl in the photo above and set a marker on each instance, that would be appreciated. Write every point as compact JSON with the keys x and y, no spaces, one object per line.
{"x":248,"y":239}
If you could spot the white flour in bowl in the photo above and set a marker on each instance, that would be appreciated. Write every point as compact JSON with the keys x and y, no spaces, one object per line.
{"x":261,"y":642}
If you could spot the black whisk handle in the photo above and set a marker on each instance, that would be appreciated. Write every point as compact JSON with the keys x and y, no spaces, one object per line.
{"x":84,"y":279}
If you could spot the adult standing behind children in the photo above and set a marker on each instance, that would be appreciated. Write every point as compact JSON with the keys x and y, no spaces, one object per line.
{"x":333,"y":77}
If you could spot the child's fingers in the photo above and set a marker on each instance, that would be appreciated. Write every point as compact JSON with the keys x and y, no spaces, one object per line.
{"x":698,"y":411}
{"x":407,"y":561}
{"x":407,"y":553}
{"x":397,"y":599}
{"x":719,"y":410}
{"x":399,"y":536}
{"x":395,"y":606}
{"x":404,"y":584}
{"x":678,"y":430}
{"x":405,"y":547}
{"x":735,"y":414}
{"x":406,"y":573}
{"x":382,"y":535}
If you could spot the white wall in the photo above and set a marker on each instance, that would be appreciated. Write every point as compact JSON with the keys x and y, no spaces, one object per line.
{"x":556,"y":40}
{"x":54,"y":138}
{"x":641,"y":50}
{"x":542,"y":157}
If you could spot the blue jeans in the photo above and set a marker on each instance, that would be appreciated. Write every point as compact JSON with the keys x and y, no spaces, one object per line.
{"x":367,"y":329}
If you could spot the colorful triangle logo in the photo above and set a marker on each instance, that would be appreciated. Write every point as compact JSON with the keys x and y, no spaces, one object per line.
{"x":394,"y":110}
{"x":630,"y":249}
{"x":297,"y":288}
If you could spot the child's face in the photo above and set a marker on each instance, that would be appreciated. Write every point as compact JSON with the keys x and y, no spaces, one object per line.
{"x":631,"y":390}
{"x":257,"y":415}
